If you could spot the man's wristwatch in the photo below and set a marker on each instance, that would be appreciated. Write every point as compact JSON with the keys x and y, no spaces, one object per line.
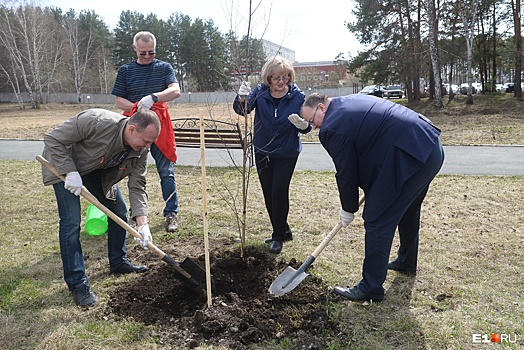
{"x":154,"y":97}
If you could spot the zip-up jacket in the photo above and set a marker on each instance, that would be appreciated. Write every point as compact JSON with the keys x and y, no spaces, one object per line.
{"x":274,"y":134}
{"x":85,"y":143}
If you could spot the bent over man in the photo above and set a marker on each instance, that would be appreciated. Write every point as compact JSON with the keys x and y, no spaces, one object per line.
{"x":96,"y":149}
{"x":392,"y":153}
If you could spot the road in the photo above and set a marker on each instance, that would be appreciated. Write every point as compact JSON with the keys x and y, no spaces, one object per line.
{"x":465,"y":160}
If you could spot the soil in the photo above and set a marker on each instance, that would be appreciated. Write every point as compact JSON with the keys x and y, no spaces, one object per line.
{"x":243,"y":313}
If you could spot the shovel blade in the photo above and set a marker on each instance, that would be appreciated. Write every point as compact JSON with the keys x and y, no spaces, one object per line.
{"x":286,"y":281}
{"x":189,"y":273}
{"x":198,"y":275}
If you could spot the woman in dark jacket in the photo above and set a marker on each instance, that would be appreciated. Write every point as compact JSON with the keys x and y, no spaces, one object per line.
{"x":277,"y":127}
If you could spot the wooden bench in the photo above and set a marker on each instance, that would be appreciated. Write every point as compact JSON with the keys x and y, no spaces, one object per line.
{"x":217,"y":134}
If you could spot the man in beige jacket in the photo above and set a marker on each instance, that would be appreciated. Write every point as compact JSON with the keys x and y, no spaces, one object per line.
{"x":96,"y":149}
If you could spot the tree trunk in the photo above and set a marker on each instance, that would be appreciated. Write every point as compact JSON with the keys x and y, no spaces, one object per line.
{"x":408,"y":76}
{"x":435,"y":60}
{"x":518,"y":48}
{"x":451,"y":95}
{"x":469,"y":26}
{"x":494,"y":57}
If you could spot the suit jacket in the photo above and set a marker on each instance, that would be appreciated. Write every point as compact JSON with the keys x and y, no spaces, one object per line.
{"x":376,"y":145}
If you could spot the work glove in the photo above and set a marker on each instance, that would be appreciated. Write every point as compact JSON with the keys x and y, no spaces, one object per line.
{"x":146,"y":102}
{"x":346,"y":217}
{"x":245,"y":89}
{"x":298,"y":121}
{"x":146,"y":235}
{"x":73,"y":183}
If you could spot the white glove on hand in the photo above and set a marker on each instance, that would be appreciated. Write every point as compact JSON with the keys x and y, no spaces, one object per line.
{"x":346,"y":217}
{"x":245,"y":89}
{"x":146,"y":234}
{"x":73,"y":183}
{"x":298,"y":122}
{"x":146,"y":102}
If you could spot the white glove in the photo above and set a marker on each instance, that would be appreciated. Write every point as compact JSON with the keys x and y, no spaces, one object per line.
{"x":146,"y":102}
{"x":73,"y":183}
{"x":346,"y":217}
{"x":245,"y":88}
{"x":298,"y":122}
{"x":146,"y":234}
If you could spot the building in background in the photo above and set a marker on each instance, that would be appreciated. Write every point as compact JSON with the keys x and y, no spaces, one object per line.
{"x":322,"y":74}
{"x":308,"y":75}
{"x":271,"y":49}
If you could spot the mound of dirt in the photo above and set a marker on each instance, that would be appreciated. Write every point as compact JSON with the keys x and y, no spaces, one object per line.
{"x":243,"y":312}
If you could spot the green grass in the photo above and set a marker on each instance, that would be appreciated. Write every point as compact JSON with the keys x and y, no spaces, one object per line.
{"x":470,"y":277}
{"x":471,"y":260}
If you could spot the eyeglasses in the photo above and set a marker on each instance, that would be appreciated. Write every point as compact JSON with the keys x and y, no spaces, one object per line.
{"x":144,"y":53}
{"x":312,"y":119}
{"x":277,"y":79}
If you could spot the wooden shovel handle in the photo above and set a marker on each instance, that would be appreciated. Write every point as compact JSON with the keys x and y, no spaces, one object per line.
{"x":92,"y":199}
{"x":332,"y":234}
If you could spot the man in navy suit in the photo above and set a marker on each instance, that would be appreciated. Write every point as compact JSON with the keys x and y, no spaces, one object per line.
{"x":392,"y":153}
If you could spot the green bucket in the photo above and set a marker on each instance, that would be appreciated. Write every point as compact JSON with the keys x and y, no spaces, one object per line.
{"x":96,"y":221}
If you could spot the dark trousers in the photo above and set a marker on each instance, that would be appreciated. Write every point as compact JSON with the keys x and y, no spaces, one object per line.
{"x":275,"y":177}
{"x":404,"y":213}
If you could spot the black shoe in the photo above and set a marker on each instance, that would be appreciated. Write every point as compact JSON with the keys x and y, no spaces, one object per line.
{"x":126,"y":267}
{"x":84,"y":297}
{"x":354,"y":294}
{"x":395,"y":266}
{"x":276,"y":247}
{"x":286,"y":239}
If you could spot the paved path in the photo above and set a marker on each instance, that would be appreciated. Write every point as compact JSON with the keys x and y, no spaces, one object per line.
{"x":467,"y":160}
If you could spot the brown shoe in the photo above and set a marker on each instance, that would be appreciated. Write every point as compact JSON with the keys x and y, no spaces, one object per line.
{"x":171,"y":222}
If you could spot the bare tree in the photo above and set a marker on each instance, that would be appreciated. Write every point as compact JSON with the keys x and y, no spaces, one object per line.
{"x":435,"y":60}
{"x":81,"y":42}
{"x":515,"y":5}
{"x":469,"y":16}
{"x":22,"y":35}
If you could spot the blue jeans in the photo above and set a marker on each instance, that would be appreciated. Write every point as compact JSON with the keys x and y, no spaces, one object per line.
{"x":69,"y":212}
{"x":166,"y":173}
{"x":404,"y":213}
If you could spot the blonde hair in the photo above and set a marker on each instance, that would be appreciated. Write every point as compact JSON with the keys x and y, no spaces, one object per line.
{"x":277,"y":65}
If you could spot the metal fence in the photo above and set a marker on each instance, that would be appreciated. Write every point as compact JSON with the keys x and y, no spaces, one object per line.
{"x":186,"y":97}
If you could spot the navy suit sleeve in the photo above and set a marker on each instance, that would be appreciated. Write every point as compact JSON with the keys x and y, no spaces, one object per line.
{"x":346,"y":164}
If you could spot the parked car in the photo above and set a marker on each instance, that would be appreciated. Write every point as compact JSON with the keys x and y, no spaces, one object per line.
{"x":464,"y":89}
{"x":478,"y":87}
{"x":508,"y":87}
{"x":393,"y":91}
{"x":375,"y":90}
{"x":452,"y":87}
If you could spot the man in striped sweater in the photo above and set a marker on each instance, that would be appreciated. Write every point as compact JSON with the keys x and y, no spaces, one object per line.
{"x":149,"y":83}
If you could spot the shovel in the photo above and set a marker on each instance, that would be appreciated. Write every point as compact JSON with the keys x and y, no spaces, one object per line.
{"x":290,"y":278}
{"x":189,"y":272}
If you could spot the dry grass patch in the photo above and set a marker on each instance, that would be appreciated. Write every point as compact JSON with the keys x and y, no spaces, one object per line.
{"x":470,"y":277}
{"x":492,"y":119}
